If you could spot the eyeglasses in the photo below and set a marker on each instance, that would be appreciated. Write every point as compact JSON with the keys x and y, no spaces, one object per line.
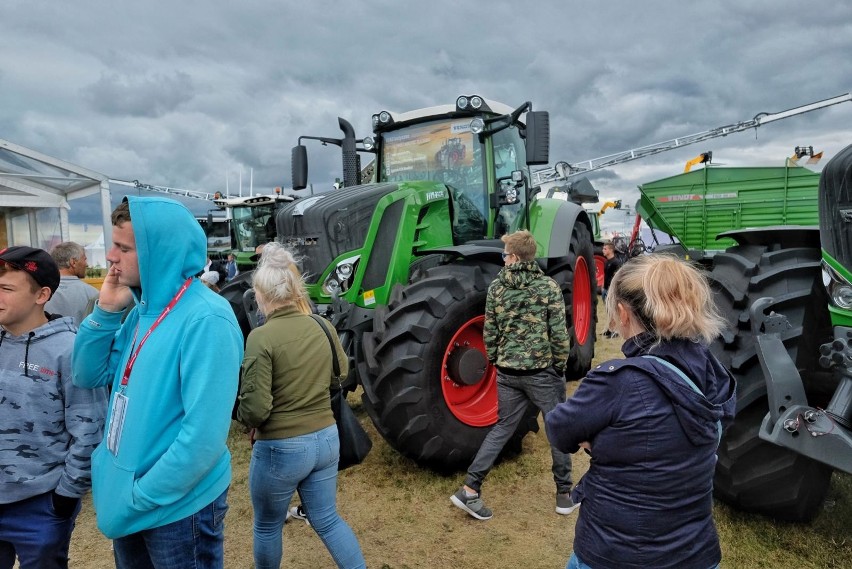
{"x":505,"y":254}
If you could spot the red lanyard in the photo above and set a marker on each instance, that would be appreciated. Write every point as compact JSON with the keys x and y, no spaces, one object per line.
{"x":125,"y":379}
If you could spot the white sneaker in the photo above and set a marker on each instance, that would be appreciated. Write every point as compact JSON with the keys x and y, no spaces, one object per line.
{"x":298,"y":513}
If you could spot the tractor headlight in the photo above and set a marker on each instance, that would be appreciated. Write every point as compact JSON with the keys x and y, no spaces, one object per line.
{"x":369,"y":143}
{"x":462,"y":103}
{"x":477,"y":125}
{"x":839,"y":289}
{"x":340,"y":279}
{"x":476,"y":102}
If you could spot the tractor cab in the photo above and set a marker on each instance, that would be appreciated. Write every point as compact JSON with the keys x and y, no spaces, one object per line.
{"x":477,"y":148}
{"x":252,"y":221}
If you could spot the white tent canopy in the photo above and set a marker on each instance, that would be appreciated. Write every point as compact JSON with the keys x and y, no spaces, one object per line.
{"x":31,"y":181}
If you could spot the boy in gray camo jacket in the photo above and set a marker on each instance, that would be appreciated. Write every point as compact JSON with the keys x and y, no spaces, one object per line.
{"x":527,"y":340}
{"x":48,"y":427}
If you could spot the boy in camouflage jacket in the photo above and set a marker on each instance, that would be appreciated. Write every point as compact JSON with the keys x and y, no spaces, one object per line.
{"x":527,"y":340}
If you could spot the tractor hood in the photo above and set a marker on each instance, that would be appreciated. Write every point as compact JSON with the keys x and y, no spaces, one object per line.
{"x":835,"y":207}
{"x":322,"y":227}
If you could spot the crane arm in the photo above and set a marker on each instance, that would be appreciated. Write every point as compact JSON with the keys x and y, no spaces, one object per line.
{"x":563,"y":170}
{"x":209,"y":196}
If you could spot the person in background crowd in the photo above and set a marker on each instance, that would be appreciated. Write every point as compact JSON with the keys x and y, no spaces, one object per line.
{"x":284,"y":397}
{"x":49,"y":426}
{"x":527,"y":340}
{"x":210,"y":279}
{"x":161,"y":474}
{"x":652,"y":423}
{"x":73,"y":298}
{"x":611,"y":266}
{"x":231,"y":268}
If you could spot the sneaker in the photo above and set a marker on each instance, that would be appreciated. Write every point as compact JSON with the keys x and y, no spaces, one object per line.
{"x":565,"y":505}
{"x":298,"y":513}
{"x":472,"y":505}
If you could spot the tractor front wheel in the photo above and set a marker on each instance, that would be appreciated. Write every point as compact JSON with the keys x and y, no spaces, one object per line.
{"x":428,"y":386}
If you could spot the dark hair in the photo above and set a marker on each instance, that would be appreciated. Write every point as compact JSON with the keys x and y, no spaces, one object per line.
{"x":121,"y":214}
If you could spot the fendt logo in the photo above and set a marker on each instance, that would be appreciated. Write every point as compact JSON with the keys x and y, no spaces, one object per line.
{"x":436,"y":195}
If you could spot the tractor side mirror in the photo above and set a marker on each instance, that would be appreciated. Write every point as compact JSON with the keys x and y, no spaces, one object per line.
{"x":538,"y":138}
{"x":299,"y":167}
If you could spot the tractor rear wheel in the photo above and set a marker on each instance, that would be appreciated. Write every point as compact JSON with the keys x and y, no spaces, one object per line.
{"x":428,"y":386}
{"x":576,"y":277}
{"x":752,"y":474}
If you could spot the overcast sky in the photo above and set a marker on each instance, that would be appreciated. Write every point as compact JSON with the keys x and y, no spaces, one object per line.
{"x":186,"y":94}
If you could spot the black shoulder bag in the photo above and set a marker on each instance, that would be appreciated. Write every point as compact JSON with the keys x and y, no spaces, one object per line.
{"x":355,"y":443}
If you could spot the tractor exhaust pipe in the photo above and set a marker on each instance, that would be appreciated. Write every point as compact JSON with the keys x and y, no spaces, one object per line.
{"x":351,"y":160}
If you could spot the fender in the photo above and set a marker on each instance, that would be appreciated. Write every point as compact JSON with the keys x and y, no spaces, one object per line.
{"x":551,"y":222}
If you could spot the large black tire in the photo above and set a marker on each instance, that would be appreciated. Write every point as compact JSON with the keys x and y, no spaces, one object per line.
{"x":404,"y":381}
{"x":576,"y":277}
{"x":751,"y":474}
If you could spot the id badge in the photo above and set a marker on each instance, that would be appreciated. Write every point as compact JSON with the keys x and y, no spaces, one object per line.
{"x":116,"y":422}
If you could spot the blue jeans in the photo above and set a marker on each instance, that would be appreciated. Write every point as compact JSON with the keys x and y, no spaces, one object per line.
{"x":32,"y":530}
{"x":195,"y":542}
{"x":307,"y":463}
{"x":546,"y":390}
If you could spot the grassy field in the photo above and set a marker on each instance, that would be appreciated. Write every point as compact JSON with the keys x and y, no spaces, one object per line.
{"x":403,"y":517}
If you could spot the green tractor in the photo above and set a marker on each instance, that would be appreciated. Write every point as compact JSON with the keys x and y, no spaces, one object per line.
{"x":402,"y":265}
{"x":785,"y":284}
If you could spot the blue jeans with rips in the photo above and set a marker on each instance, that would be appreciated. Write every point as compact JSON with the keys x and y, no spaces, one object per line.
{"x":307,"y":463}
{"x":195,"y":542}
{"x":545,"y":390}
{"x":33,"y":531}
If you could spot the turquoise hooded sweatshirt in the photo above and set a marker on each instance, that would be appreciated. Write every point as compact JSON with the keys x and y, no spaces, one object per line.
{"x":172,"y":459}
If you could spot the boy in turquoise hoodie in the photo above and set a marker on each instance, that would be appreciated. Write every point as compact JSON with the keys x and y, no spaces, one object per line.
{"x":161,"y":475}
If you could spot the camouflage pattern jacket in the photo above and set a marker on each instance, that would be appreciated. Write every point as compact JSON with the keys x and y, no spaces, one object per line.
{"x":525,"y":320}
{"x":48,"y":427}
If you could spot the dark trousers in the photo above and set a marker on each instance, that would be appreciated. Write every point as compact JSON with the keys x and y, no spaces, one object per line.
{"x":545,"y":390}
{"x":33,"y":531}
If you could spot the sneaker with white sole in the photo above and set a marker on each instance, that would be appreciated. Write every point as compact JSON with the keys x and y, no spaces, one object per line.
{"x":298,"y":513}
{"x":471,"y":504}
{"x":565,"y":505}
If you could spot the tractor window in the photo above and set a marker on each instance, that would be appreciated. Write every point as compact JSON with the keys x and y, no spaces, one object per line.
{"x":509,"y":155}
{"x":253,"y":226}
{"x":444,"y":151}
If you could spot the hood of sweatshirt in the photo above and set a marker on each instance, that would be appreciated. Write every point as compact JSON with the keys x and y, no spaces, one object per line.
{"x":698,"y":413}
{"x":170,"y":246}
{"x":35,"y":351}
{"x":520,"y":275}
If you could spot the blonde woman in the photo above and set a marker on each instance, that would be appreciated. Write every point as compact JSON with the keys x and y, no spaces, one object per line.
{"x":652,"y":423}
{"x":284,"y":395}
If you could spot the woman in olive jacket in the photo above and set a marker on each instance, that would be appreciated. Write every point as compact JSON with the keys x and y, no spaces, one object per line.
{"x":652,"y":424}
{"x":284,"y":396}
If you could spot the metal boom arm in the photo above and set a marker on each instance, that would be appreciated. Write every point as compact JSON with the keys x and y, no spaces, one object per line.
{"x":563,"y":170}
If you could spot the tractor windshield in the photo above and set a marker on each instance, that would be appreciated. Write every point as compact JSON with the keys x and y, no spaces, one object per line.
{"x":445,"y":151}
{"x":253,"y":225}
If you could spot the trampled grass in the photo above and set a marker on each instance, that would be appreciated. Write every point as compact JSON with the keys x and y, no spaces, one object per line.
{"x":403,"y":517}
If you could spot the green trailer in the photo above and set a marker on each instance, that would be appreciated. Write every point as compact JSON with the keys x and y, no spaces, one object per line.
{"x":696,"y":207}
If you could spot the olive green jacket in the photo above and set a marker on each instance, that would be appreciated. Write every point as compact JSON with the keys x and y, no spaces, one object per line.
{"x":285,"y":376}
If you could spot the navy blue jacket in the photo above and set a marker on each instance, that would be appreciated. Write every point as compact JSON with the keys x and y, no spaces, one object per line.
{"x":646,"y":500}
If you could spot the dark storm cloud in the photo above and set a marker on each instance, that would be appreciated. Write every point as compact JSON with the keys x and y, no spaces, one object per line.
{"x":152,"y":97}
{"x":190,"y":94}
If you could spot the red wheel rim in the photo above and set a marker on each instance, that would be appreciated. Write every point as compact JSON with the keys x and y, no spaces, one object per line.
{"x":474,"y":405}
{"x":600,"y":264}
{"x":581,"y":301}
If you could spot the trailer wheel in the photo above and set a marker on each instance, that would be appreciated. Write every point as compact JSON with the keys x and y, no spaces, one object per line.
{"x":752,"y":474}
{"x":428,"y":386}
{"x":576,"y":277}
